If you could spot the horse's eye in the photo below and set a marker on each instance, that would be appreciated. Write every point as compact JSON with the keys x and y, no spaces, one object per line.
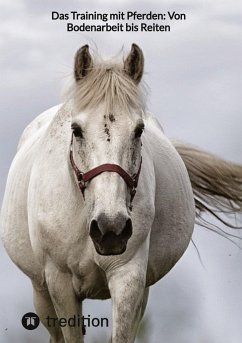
{"x":77,"y":131}
{"x":138,"y":131}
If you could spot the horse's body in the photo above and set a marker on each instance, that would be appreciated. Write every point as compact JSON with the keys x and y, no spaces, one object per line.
{"x":47,"y":221}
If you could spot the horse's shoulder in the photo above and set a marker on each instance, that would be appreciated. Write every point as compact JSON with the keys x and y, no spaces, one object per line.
{"x":36,"y":125}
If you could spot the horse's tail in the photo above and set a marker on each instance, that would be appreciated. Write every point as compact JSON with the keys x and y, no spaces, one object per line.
{"x":216,"y":183}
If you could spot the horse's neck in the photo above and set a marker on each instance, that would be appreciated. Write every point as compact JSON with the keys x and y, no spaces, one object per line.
{"x":62,"y":116}
{"x":152,"y":121}
{"x":59,"y":129}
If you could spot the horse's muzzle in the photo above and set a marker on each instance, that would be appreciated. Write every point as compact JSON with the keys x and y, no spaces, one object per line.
{"x":108,"y":238}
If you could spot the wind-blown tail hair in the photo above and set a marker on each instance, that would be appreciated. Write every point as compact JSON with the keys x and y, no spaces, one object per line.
{"x":217,"y":186}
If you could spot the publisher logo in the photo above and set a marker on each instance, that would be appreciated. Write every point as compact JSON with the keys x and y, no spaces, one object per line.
{"x":30,"y":321}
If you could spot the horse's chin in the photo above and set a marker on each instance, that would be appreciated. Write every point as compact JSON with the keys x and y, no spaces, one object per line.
{"x":108,"y":251}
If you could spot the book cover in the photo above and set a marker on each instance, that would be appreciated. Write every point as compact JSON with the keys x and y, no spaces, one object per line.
{"x":192,"y":80}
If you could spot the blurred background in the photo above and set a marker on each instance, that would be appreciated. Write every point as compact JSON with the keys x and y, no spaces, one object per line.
{"x":194,"y":75}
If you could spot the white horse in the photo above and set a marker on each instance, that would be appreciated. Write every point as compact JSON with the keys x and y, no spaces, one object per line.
{"x":71,"y":219}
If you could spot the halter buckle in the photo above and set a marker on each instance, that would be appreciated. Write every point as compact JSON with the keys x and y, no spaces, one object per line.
{"x":81,"y":183}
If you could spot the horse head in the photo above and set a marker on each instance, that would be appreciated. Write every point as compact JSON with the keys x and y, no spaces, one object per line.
{"x":107,"y":126}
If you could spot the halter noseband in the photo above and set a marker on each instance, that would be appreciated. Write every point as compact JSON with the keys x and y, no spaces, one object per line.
{"x":83,"y":178}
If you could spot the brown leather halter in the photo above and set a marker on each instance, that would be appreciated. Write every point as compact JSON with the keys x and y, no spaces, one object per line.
{"x":83,"y":178}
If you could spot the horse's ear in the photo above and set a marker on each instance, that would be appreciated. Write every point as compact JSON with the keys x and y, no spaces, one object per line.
{"x":83,"y":62}
{"x":134,"y":63}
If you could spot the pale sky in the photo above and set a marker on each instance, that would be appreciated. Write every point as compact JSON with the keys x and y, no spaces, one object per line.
{"x":194,"y":74}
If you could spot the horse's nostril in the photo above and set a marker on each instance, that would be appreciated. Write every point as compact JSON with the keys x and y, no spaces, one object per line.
{"x":99,"y":233}
{"x":95,"y":232}
{"x":127,"y":231}
{"x":110,"y":237}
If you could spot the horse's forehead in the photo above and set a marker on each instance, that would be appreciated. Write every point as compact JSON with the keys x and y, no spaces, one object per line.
{"x":102,"y":116}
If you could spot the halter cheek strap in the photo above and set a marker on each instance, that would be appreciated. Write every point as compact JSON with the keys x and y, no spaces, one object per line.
{"x":83,"y":178}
